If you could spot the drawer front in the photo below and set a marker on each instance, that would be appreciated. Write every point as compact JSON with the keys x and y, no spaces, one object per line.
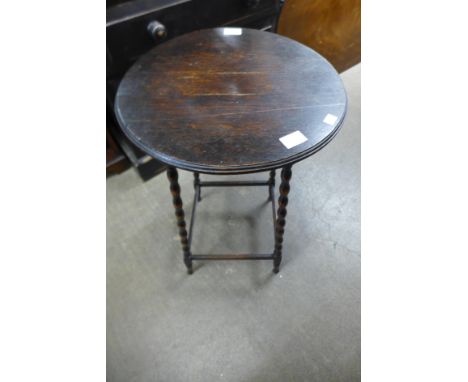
{"x":217,"y":12}
{"x":265,"y":20}
{"x":129,"y":38}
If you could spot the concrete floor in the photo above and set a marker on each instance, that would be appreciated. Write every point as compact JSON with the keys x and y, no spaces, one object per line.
{"x":237,"y":321}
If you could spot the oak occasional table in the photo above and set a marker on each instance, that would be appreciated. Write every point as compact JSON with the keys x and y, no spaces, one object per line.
{"x":231,"y":101}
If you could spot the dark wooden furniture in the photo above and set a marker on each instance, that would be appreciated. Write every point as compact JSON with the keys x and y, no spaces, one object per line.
{"x":331,"y":28}
{"x":134,"y":27}
{"x":222,"y":101}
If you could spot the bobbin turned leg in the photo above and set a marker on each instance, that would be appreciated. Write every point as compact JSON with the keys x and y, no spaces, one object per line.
{"x":286,"y":174}
{"x":196,"y":183}
{"x":179,"y":212}
{"x":271,"y":181}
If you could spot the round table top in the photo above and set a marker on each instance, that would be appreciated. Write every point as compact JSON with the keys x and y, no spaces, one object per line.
{"x":231,"y":100}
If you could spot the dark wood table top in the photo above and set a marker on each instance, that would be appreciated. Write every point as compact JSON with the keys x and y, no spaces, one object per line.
{"x":219,"y":100}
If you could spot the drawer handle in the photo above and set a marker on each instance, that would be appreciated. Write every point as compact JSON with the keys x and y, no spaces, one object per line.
{"x":156,"y":30}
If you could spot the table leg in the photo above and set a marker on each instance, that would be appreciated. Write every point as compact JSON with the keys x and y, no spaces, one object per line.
{"x":196,"y":183}
{"x":286,"y":174}
{"x":271,"y":181}
{"x":179,"y":212}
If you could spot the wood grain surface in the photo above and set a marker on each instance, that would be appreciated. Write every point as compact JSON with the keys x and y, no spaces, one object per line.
{"x":217,"y":103}
{"x":330,"y":27}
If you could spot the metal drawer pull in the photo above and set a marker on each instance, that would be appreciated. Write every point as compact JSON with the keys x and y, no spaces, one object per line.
{"x":156,"y":30}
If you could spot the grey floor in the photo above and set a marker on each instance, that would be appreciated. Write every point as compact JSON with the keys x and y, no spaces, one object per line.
{"x":237,"y":321}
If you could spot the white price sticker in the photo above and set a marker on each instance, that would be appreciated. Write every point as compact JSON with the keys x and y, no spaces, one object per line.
{"x":232,"y":31}
{"x":293,"y":139}
{"x":330,"y":119}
